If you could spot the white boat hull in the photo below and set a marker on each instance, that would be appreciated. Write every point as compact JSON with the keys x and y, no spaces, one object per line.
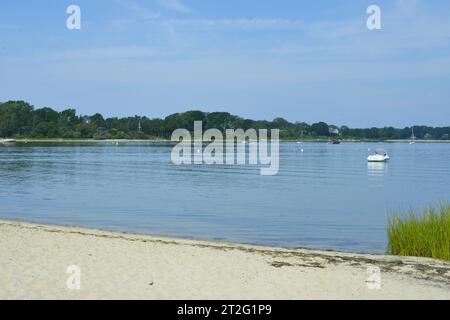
{"x":378,"y":158}
{"x":8,"y":142}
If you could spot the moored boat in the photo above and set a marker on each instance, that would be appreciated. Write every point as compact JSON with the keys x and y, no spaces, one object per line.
{"x":7,"y":142}
{"x":380,"y":155}
{"x":413,"y":137}
{"x":335,"y":141}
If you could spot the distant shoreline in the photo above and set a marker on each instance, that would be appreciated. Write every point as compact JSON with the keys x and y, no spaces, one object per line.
{"x":45,"y":140}
{"x":34,"y":259}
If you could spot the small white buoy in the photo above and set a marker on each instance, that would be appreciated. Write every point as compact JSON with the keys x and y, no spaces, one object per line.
{"x":303,"y":150}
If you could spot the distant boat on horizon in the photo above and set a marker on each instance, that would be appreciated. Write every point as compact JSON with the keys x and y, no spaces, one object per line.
{"x":413,"y":137}
{"x":335,"y":141}
{"x":301,"y":139}
{"x":8,"y":142}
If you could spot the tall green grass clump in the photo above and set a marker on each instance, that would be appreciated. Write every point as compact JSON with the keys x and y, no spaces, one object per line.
{"x":425,"y":235}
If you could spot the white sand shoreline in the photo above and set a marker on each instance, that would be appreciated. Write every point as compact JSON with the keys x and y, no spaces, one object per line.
{"x":114,"y":265}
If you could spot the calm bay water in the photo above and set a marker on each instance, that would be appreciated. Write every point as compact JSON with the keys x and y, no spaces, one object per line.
{"x":326,"y":197}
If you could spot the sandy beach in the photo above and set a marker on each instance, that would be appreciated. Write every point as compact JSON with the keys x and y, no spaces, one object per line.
{"x":35,"y":260}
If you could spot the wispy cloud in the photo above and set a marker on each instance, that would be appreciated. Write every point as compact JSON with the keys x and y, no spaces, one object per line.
{"x":133,"y":6}
{"x":406,"y":7}
{"x":103,"y":54}
{"x":254,"y":23}
{"x":175,"y":5}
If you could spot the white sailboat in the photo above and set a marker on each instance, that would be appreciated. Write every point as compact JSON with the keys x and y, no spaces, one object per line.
{"x":413,"y":137}
{"x":301,"y":139}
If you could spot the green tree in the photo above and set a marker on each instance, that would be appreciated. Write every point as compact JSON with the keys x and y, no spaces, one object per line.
{"x":15,"y":118}
{"x":320,"y":129}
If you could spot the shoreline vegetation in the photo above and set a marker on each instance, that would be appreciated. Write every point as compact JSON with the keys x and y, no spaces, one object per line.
{"x":65,"y":140}
{"x":34,"y":259}
{"x":423,"y":235}
{"x":21,"y":121}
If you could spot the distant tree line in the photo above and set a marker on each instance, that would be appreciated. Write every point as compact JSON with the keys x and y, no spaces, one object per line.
{"x":21,"y":120}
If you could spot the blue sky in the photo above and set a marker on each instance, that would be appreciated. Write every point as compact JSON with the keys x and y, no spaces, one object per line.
{"x":302,"y":60}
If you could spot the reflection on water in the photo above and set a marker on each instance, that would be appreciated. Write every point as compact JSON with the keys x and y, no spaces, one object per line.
{"x":377,"y":168}
{"x":325,"y":196}
{"x":376,"y":172}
